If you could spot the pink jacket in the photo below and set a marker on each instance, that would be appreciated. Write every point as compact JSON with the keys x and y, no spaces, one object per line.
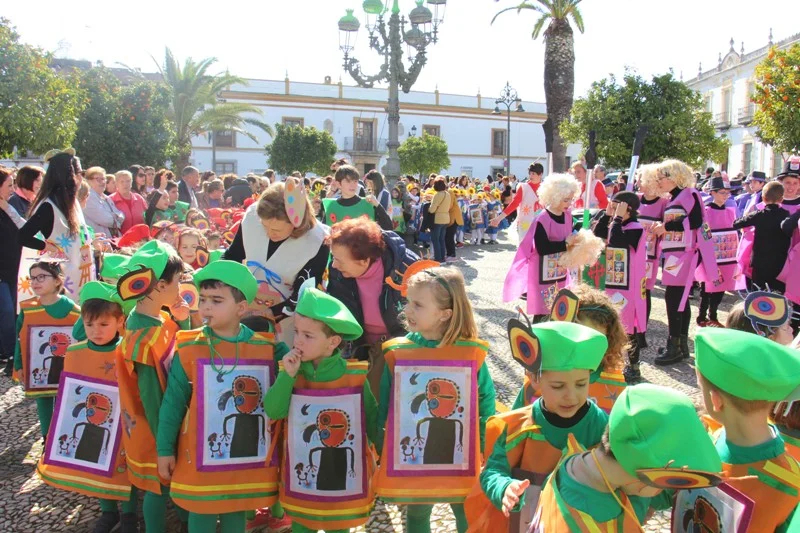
{"x":133,"y":209}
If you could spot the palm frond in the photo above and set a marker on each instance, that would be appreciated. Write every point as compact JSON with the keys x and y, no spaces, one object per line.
{"x":537,"y":28}
{"x":577,"y":17}
{"x":519,"y":8}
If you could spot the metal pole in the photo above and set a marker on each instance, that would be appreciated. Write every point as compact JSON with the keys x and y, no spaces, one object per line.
{"x":508,"y":142}
{"x":393,"y":161}
{"x":213,"y":151}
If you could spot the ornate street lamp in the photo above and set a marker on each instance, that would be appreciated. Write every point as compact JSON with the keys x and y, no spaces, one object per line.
{"x":388,"y":38}
{"x":509,"y":99}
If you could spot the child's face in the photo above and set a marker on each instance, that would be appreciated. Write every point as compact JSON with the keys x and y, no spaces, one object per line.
{"x":103,"y":329}
{"x":423,"y":314}
{"x":721,"y":196}
{"x":564,"y":204}
{"x":213,"y":244}
{"x":310,"y":340}
{"x":564,"y":392}
{"x":173,"y":195}
{"x":44,"y":283}
{"x":791,"y":187}
{"x":163,"y":202}
{"x":349,"y":187}
{"x":219,"y":309}
{"x":784,"y":334}
{"x":167,"y":293}
{"x":167,"y":236}
{"x":188,"y":248}
{"x":395,"y":194}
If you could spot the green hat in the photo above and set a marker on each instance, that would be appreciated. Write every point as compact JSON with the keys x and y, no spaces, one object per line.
{"x":215,"y":255}
{"x":556,"y":346}
{"x":317,"y":305}
{"x":143,"y":270}
{"x":97,"y":290}
{"x":231,"y":273}
{"x":111,"y":265}
{"x":653,"y":427}
{"x":748,"y":366}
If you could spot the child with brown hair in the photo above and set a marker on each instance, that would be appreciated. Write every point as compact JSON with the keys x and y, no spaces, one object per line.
{"x":193,"y":248}
{"x":350,"y":204}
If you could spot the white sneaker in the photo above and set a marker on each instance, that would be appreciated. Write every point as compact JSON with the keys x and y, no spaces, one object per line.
{"x":450,"y":259}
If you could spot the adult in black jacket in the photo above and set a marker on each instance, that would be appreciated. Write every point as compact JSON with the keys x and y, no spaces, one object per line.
{"x":363,"y":257}
{"x":9,"y":266}
{"x":190,"y":178}
{"x":239,"y":191}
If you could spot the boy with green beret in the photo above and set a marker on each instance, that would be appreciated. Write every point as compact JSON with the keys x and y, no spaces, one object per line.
{"x":526,"y":444}
{"x":214,"y":440}
{"x":331,"y":420}
{"x":741,"y":376}
{"x":654,"y":443}
{"x":150,"y":278}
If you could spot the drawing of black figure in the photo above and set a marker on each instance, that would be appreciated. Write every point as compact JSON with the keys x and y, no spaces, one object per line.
{"x":94,"y":438}
{"x":442,"y":397}
{"x":248,"y":429}
{"x":333,"y":426}
{"x":58,"y":344}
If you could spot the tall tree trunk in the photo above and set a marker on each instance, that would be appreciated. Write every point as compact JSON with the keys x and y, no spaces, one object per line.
{"x":559,"y":83}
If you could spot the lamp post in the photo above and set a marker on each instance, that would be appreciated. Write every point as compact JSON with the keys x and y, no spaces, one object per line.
{"x":509,"y":98}
{"x":387,"y":39}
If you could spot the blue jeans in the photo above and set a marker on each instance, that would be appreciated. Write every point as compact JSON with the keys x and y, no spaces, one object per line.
{"x":439,"y":231}
{"x":8,"y":320}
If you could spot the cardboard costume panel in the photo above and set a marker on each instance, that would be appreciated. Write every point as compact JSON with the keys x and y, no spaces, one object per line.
{"x":551,"y":270}
{"x":721,"y":508}
{"x":47,"y":346}
{"x":233,"y":430}
{"x":726,"y":242}
{"x":673,"y":240}
{"x":85,"y":434}
{"x":617,"y":267}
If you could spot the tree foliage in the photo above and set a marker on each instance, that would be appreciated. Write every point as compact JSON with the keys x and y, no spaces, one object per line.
{"x":777,"y":94}
{"x":304,"y":149}
{"x":38,"y":108}
{"x":679,"y":126}
{"x":423,"y":155}
{"x":123,"y":124}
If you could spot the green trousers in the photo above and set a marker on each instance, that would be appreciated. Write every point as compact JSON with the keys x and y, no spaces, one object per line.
{"x":44,"y":408}
{"x":207,"y":523}
{"x":418,"y":518}
{"x":130,"y":506}
{"x":154,"y":510}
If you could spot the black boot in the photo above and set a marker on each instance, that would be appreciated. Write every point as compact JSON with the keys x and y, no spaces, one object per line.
{"x":632,"y":374}
{"x":106,"y":523}
{"x":130,"y":523}
{"x":671,"y":354}
{"x":684,"y":344}
{"x":643,"y":340}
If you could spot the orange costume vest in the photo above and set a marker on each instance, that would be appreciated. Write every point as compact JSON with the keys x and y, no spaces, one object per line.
{"x":431,"y":451}
{"x":327,"y":460}
{"x":43,"y":343}
{"x":223,"y":461}
{"x":84,"y":451}
{"x":152,"y":347}
{"x":529,"y":455}
{"x":604,"y":390}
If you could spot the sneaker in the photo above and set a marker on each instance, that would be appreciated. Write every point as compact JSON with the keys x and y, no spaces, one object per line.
{"x":450,"y":259}
{"x":459,"y":245}
{"x":492,"y":242}
{"x":632,"y":374}
{"x":701,"y":323}
{"x":264,"y":521}
{"x":714,"y":324}
{"x":107,"y":522}
{"x":130,"y":523}
{"x":483,"y":241}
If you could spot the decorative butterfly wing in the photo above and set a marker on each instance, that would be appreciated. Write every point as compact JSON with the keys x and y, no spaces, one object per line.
{"x":189,"y":294}
{"x":200,"y":223}
{"x":294,"y":200}
{"x":202,"y":256}
{"x":678,"y":478}
{"x":766,"y":309}
{"x":229,"y":236}
{"x":565,"y":306}
{"x":136,"y":284}
{"x":163,"y":224}
{"x":525,"y":346}
{"x":413,"y":268}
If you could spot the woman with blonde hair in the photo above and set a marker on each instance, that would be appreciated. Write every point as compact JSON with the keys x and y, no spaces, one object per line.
{"x":651,"y":211}
{"x":536,"y":269}
{"x":683,"y":246}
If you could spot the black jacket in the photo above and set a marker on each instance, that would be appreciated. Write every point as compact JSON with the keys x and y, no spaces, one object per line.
{"x":12,"y":252}
{"x":396,"y":258}
{"x":239,"y":191}
{"x":186,"y":194}
{"x":770,"y":244}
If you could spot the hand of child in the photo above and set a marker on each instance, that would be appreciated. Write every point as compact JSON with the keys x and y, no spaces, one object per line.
{"x":166,"y":465}
{"x":496,"y":221}
{"x":610,"y":209}
{"x":180,"y":310}
{"x":511,"y":497}
{"x":291,"y":363}
{"x":372,"y":200}
{"x":659,"y":230}
{"x":622,"y":208}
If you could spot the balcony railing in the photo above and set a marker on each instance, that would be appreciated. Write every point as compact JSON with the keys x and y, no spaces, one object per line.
{"x":746,"y":114}
{"x":722,"y":120}
{"x":364,"y":144}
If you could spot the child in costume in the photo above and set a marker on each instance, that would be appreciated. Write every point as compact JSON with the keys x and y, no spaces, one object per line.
{"x":349,"y":204}
{"x":526,"y":444}
{"x":215,"y":443}
{"x":654,"y":442}
{"x":740,"y":376}
{"x":44,"y":332}
{"x":536,"y":270}
{"x":87,"y":457}
{"x":152,"y":279}
{"x":720,"y":217}
{"x":193,"y":248}
{"x":477,"y":217}
{"x":329,"y":409}
{"x":463,"y":232}
{"x":651,"y":211}
{"x":436,"y":395}
{"x":164,"y":231}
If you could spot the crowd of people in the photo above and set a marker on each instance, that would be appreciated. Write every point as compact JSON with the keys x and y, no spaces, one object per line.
{"x":274,"y":354}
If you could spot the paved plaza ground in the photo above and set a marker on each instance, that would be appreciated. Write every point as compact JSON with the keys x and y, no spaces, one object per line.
{"x":29,"y":506}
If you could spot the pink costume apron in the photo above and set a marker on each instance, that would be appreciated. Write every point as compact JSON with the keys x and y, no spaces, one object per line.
{"x":626,"y":281}
{"x":540,"y":276}
{"x":745,"y":251}
{"x":527,"y":210}
{"x":681,"y":250}
{"x":726,"y":244}
{"x":792,"y":265}
{"x":649,"y":215}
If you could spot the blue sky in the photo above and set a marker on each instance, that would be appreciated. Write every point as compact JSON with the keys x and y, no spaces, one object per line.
{"x":265,"y":39}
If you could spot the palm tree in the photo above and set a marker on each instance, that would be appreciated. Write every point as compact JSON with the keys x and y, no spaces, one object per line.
{"x":197,"y":108}
{"x":559,"y":61}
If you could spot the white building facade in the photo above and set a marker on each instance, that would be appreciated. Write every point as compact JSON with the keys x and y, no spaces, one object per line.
{"x":357,"y":119}
{"x":726,"y":90}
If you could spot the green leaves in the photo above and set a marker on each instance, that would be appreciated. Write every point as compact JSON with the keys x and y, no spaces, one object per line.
{"x":303,"y":149}
{"x":679,"y":127}
{"x":777,"y":96}
{"x":423,"y":155}
{"x":548,"y":10}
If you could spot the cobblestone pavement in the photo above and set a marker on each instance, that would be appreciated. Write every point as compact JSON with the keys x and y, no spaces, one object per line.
{"x":29,"y":506}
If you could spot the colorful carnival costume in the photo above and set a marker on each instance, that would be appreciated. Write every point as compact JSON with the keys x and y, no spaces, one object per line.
{"x":434,"y":402}
{"x":524,"y":443}
{"x":651,"y":212}
{"x":648,"y":430}
{"x":761,"y":486}
{"x":331,"y":427}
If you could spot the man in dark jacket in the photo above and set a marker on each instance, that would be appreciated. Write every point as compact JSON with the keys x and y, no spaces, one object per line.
{"x":238,"y":192}
{"x":190,"y":178}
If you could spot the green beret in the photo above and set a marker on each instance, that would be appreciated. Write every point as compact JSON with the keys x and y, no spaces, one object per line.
{"x":97,"y":290}
{"x":153,"y":255}
{"x":569,"y":346}
{"x":230,"y":273}
{"x":111,"y":265}
{"x":748,"y":366}
{"x":317,"y":305}
{"x":215,"y":255}
{"x":652,"y":426}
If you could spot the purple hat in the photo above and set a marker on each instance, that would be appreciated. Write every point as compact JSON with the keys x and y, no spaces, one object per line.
{"x":756,"y":175}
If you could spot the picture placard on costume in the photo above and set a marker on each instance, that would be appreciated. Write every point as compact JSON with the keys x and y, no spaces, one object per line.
{"x":721,"y":508}
{"x":617,"y":267}
{"x":476,"y":215}
{"x":673,"y":240}
{"x":551,"y":271}
{"x":431,"y":427}
{"x":326,"y":452}
{"x":86,"y":431}
{"x":45,"y":358}
{"x":233,"y":430}
{"x":650,"y":237}
{"x":726,"y":242}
